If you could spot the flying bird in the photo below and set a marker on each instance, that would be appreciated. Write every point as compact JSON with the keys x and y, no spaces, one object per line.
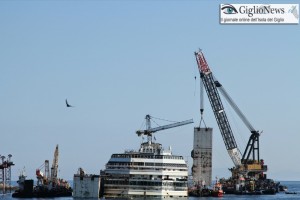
{"x":67,"y":104}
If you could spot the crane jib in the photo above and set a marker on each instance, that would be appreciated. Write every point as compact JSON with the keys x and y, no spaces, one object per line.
{"x":210,"y":86}
{"x":149,"y":131}
{"x":202,"y":64}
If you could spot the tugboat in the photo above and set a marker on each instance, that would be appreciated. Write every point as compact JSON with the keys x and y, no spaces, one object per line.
{"x":217,"y":190}
{"x":47,"y":186}
{"x":203,"y":191}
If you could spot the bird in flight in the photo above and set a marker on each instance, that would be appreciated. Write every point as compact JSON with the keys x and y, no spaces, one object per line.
{"x":67,"y":104}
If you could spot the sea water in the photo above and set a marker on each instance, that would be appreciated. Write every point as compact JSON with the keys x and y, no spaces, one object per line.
{"x":293,"y":186}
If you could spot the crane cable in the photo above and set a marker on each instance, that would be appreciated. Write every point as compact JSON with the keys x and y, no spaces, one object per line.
{"x":195,"y":86}
{"x":154,"y":122}
{"x":201,"y":104}
{"x":163,"y":119}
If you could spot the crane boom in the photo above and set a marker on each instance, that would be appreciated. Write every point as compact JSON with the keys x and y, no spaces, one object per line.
{"x":171,"y":125}
{"x":150,"y":130}
{"x":54,"y":167}
{"x":211,"y":85}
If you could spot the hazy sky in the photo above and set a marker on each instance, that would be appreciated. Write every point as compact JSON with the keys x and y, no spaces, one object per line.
{"x":117,"y":61}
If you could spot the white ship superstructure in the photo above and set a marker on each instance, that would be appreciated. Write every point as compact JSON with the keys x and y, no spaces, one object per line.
{"x":151,"y":171}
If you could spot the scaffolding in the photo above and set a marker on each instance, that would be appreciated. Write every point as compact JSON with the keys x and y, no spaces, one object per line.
{"x":5,"y":173}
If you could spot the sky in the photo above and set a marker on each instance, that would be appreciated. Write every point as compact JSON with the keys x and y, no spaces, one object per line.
{"x":116,"y":61}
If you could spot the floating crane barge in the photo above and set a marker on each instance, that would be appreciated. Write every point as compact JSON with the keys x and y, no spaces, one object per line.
{"x":248,"y":173}
{"x":47,"y":185}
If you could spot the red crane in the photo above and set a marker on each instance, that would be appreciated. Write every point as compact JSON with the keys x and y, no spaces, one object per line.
{"x":250,"y":163}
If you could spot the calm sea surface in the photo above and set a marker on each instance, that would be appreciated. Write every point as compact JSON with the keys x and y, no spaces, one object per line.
{"x":293,"y":186}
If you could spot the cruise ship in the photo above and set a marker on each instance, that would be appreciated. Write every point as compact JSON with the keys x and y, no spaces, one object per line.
{"x":151,"y":171}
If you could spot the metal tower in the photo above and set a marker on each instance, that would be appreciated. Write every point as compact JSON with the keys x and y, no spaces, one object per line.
{"x":5,"y":173}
